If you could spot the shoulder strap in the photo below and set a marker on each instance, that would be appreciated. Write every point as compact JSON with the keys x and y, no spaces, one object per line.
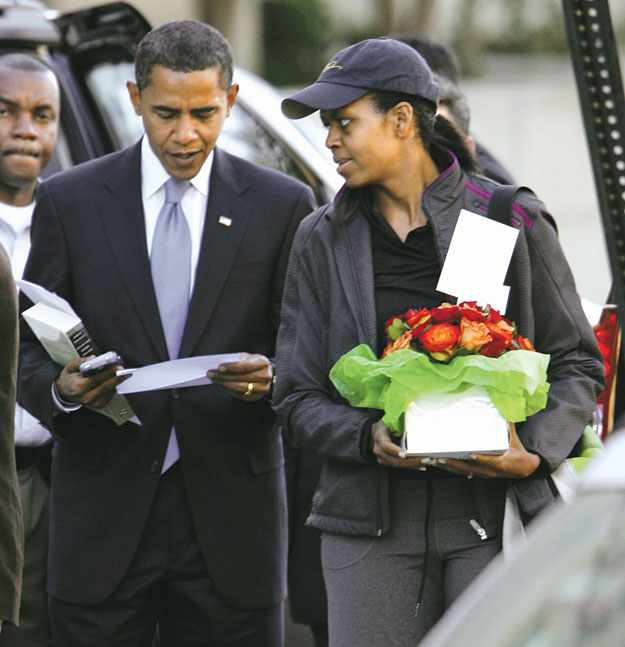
{"x":500,"y":205}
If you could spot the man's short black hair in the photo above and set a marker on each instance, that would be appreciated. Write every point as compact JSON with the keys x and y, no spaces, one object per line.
{"x":183,"y":46}
{"x":439,"y":56}
{"x":443,"y":62}
{"x":24,"y":63}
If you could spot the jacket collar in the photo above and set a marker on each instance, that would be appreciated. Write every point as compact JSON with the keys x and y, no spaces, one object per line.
{"x":352,"y":238}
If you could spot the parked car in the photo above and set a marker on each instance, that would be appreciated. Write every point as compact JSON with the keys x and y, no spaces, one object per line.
{"x":92,"y":51}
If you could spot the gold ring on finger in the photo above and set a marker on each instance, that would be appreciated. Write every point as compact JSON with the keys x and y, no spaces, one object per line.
{"x":250,"y":388}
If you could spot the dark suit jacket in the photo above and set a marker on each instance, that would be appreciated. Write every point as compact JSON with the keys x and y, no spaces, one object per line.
{"x":11,"y":539}
{"x":88,"y":245}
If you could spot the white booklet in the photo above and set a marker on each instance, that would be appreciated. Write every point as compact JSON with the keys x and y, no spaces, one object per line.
{"x":64,"y":337}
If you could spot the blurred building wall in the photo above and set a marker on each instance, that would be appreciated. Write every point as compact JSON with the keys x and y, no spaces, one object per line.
{"x":239,"y":20}
{"x":156,"y":11}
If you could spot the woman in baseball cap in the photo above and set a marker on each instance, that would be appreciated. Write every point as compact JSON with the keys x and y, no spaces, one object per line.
{"x":402,"y":536}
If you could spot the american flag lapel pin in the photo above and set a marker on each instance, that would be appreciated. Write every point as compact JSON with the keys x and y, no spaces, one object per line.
{"x":225,"y":221}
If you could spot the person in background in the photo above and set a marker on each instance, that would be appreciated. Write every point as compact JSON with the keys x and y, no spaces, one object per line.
{"x":29,"y":116}
{"x":11,"y":535}
{"x":453,"y":101}
{"x":169,"y":249}
{"x":399,"y":539}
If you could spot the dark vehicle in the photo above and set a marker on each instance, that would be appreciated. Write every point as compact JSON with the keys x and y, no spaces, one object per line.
{"x":92,"y":51}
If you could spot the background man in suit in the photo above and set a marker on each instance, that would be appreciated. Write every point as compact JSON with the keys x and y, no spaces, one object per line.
{"x":29,"y":115}
{"x":11,"y":539}
{"x":179,"y":520}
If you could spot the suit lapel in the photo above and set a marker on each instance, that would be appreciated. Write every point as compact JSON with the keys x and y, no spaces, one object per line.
{"x":227,"y":215}
{"x":124,"y":224}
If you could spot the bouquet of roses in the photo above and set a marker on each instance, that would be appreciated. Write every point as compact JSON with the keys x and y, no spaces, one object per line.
{"x":462,"y":350}
{"x":450,"y":330}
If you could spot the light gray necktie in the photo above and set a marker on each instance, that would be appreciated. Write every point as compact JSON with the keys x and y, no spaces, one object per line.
{"x":171,"y":274}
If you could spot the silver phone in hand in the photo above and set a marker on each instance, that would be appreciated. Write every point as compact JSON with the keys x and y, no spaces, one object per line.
{"x":100,"y":362}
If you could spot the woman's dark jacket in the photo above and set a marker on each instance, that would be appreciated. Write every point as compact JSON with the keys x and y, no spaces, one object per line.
{"x":329,"y":307}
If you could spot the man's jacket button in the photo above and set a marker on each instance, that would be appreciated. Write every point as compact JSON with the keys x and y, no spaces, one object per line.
{"x":155,"y":467}
{"x":175,"y":394}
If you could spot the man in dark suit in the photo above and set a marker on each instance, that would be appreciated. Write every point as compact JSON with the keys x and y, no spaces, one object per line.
{"x":11,"y":539}
{"x":178,"y":521}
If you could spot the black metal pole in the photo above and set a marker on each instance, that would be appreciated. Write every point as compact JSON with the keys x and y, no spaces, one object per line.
{"x":600,"y":89}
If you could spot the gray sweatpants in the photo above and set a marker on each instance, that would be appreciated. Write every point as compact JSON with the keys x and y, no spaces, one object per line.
{"x":388,"y":591}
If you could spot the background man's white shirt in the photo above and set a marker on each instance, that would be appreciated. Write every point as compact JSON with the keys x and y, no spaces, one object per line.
{"x":15,"y":238}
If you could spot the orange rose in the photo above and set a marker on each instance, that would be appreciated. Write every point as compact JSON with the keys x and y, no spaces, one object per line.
{"x":524,"y":343}
{"x":473,"y":335}
{"x":403,"y":341}
{"x":441,"y":341}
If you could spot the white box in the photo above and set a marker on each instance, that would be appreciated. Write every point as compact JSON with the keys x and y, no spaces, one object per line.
{"x":454,"y":425}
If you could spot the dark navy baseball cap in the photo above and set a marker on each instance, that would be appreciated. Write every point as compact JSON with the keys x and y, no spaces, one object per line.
{"x":381,"y":64}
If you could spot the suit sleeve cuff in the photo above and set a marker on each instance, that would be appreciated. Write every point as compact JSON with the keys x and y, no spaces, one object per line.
{"x":62,"y":406}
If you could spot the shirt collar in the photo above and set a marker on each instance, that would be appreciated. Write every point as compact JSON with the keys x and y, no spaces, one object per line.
{"x":17,"y":218}
{"x":154,"y":175}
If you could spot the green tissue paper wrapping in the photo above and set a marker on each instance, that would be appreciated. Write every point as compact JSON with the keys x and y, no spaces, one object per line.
{"x":516,"y":382}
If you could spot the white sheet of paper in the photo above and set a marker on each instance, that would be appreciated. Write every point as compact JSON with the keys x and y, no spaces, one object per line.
{"x":477,"y":261}
{"x":177,"y":373}
{"x":38,"y":294}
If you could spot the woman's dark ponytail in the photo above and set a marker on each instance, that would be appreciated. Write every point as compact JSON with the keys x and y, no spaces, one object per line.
{"x":447,"y":135}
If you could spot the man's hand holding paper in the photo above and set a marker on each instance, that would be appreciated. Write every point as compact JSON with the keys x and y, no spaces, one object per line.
{"x":248,"y":379}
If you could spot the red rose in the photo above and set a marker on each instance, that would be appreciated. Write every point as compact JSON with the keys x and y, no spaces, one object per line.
{"x":502,"y":334}
{"x":494,"y":316}
{"x":414,"y":317}
{"x":469,"y":310}
{"x":421,"y":325}
{"x":446,"y":312}
{"x":441,"y":340}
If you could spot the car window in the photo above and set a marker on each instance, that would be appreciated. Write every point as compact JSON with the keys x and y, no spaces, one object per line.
{"x":244,"y":136}
{"x":107,"y":84}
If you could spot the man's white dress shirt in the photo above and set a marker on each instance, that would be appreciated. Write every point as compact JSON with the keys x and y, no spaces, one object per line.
{"x":15,"y":238}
